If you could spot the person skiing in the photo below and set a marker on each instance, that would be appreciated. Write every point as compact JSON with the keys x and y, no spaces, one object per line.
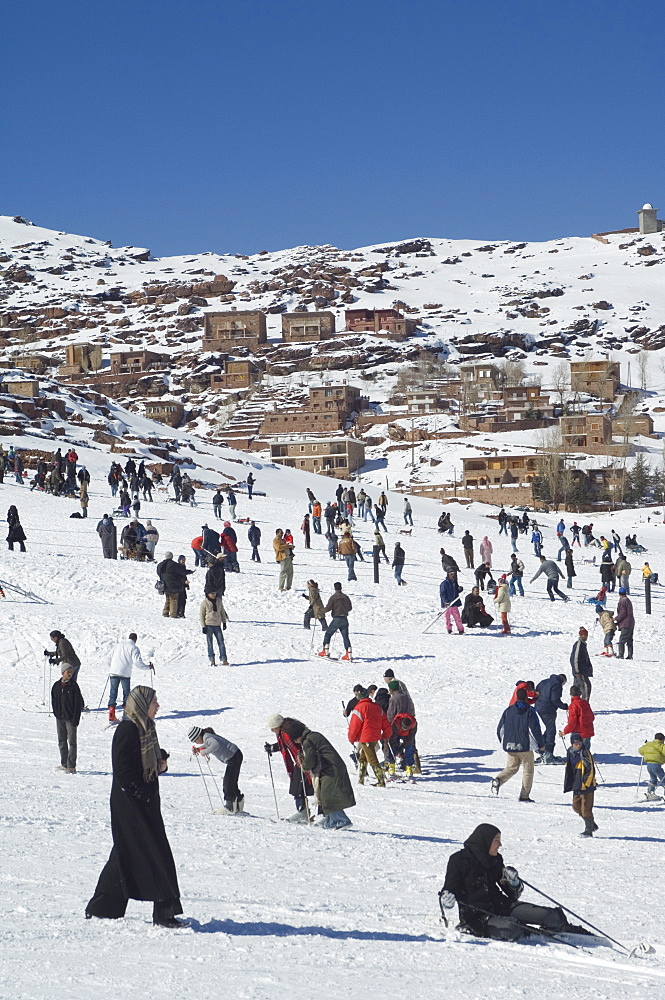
{"x":487,"y":893}
{"x":467,"y":545}
{"x":552,"y":573}
{"x":339,"y":606}
{"x":519,"y":733}
{"x":213,"y":619}
{"x":449,"y":592}
{"x":653,"y":755}
{"x":125,"y":656}
{"x":580,"y":779}
{"x":398,"y":564}
{"x":502,"y":603}
{"x":580,"y":661}
{"x":217,"y":502}
{"x":254,"y":538}
{"x":300,"y":783}
{"x":550,"y":690}
{"x":67,"y":705}
{"x":368,"y":724}
{"x":315,"y":607}
{"x":332,"y":786}
{"x":608,"y":626}
{"x":211,"y":744}
{"x":141,"y":864}
{"x":625,"y":621}
{"x":580,"y":718}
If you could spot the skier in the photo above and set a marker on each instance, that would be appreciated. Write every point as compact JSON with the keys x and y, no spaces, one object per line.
{"x":625,"y":621}
{"x":217,"y":502}
{"x":552,"y":573}
{"x":488,"y":892}
{"x":653,"y":755}
{"x":67,"y":705}
{"x":125,"y":656}
{"x":315,"y":608}
{"x":550,"y":690}
{"x":211,"y":744}
{"x":141,"y":864}
{"x":339,"y":607}
{"x":580,"y":662}
{"x":300,"y":784}
{"x":519,"y":734}
{"x":580,"y":718}
{"x":254,"y":537}
{"x":108,"y":536}
{"x":398,"y":564}
{"x":213,"y":619}
{"x":332,"y":786}
{"x":467,"y":545}
{"x":580,"y":779}
{"x":449,"y":592}
{"x":367,"y":726}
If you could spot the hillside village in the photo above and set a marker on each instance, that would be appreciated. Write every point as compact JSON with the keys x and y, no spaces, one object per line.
{"x":427,"y":364}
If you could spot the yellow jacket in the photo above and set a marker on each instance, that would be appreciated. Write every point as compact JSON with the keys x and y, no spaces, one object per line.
{"x":653,"y":752}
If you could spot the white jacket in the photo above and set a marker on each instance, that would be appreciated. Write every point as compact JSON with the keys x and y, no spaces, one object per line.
{"x":125,"y":656}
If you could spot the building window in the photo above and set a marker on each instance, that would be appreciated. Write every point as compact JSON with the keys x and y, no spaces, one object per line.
{"x":340,"y":463}
{"x":328,"y":392}
{"x":315,"y":447}
{"x":302,"y":447}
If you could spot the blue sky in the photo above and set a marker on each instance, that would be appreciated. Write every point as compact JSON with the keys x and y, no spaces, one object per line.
{"x":191,"y":125}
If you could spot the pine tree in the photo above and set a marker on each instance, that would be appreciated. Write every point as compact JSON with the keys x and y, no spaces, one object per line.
{"x":640,"y":483}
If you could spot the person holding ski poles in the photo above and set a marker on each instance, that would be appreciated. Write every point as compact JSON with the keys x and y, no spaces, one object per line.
{"x":449,"y":592}
{"x":300,"y":784}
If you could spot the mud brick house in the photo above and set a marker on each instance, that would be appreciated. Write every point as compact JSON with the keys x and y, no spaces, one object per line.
{"x":598,"y":378}
{"x":419,"y":401}
{"x":307,"y":326}
{"x":478,"y":381}
{"x":580,"y":430}
{"x":382,"y":322}
{"x":238,"y":374}
{"x":636,"y":423}
{"x":227,"y":331}
{"x":327,"y":411}
{"x":129,"y":362}
{"x":82,"y":358}
{"x":332,"y":457}
{"x":37,"y":363}
{"x":166,"y":412}
{"x":500,"y":470}
{"x":28,"y":390}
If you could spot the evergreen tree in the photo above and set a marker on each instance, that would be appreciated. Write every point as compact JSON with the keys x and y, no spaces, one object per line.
{"x":639,"y":487}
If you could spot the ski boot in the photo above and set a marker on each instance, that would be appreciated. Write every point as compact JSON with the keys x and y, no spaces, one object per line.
{"x":652,"y":797}
{"x":112,"y":717}
{"x":325,"y":651}
{"x":380,"y":776}
{"x":391,"y":770}
{"x":409,"y":771}
{"x":347,"y":656}
{"x":362,"y":772}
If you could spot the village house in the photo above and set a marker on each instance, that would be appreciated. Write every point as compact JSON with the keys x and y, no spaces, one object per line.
{"x":581,"y":430}
{"x":383,"y":322}
{"x":327,"y":411}
{"x":227,"y":331}
{"x":130,"y":362}
{"x":82,"y":358}
{"x":239,"y":373}
{"x":36,"y":363}
{"x":499,"y":470}
{"x":478,"y":381}
{"x":632,"y":424}
{"x":20,"y":387}
{"x":420,"y":401}
{"x":598,"y":378}
{"x":307,"y":326}
{"x":331,"y":457}
{"x":166,"y":412}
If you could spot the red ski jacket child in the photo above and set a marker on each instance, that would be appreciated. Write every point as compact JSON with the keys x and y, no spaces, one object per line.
{"x":368,"y":723}
{"x":580,"y":718}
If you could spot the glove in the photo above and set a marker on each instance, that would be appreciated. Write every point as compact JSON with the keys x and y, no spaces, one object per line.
{"x":447,"y":899}
{"x":511,"y":876}
{"x":204,"y":629}
{"x":224,"y":626}
{"x":268,"y":748}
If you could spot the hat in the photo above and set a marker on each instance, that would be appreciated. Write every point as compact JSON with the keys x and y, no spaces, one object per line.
{"x":583,"y":631}
{"x":502,"y":578}
{"x":274,"y":721}
{"x":576,"y":738}
{"x":659,"y":736}
{"x":195,"y":734}
{"x":363,"y":693}
{"x":168,"y":555}
{"x":622,"y":590}
{"x":66,"y":666}
{"x":389,"y":673}
{"x":220,"y":555}
{"x":599,"y":608}
{"x":393,"y":685}
{"x":227,"y":524}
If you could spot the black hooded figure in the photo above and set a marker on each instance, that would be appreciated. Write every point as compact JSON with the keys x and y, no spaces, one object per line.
{"x":487,"y":892}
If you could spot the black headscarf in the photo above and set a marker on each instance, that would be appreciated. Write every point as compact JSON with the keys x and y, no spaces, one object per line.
{"x":478,"y":845}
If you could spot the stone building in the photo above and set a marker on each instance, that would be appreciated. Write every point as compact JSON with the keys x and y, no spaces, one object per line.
{"x":649,"y":221}
{"x":238,"y":374}
{"x":333,"y":457}
{"x":165,"y":412}
{"x":37,"y":363}
{"x":82,"y":358}
{"x":227,"y":331}
{"x":499,"y":470}
{"x":24,"y":388}
{"x":307,"y":326}
{"x":598,"y":378}
{"x":328,"y":409}
{"x":582,"y":430}
{"x":129,"y":362}
{"x":635,"y":423}
{"x":383,"y":322}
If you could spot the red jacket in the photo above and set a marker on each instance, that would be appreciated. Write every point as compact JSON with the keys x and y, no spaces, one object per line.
{"x":580,"y":718}
{"x":227,"y":543}
{"x":289,"y":751}
{"x":531,"y":696}
{"x":368,"y":723}
{"x":197,"y":543}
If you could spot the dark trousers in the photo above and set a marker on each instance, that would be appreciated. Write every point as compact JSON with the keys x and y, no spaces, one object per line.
{"x":66,"y":742}
{"x":552,"y":586}
{"x":339,"y":623}
{"x":309,"y":614}
{"x":255,"y":554}
{"x":230,"y":788}
{"x":549,"y":727}
{"x":584,"y":684}
{"x":511,"y":927}
{"x":625,"y":642}
{"x":11,"y":546}
{"x":113,"y":907}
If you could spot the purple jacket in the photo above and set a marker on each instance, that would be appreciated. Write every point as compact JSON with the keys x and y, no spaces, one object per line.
{"x":624,"y":616}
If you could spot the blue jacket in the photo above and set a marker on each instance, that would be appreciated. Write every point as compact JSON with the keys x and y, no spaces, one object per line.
{"x":254,"y":535}
{"x":449,"y":591}
{"x":549,"y":696}
{"x":519,"y":729}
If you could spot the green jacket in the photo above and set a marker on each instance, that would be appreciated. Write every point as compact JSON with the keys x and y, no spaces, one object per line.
{"x":334,"y":785}
{"x":653,"y":752}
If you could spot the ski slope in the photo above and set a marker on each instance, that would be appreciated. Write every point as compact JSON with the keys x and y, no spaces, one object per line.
{"x":276,"y":909}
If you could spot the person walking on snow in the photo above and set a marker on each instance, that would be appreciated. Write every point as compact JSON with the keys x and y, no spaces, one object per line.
{"x":339,"y":607}
{"x":284,"y":557}
{"x":552,"y":573}
{"x":217,"y":502}
{"x":67,"y":705}
{"x":125,"y":656}
{"x":570,"y":568}
{"x":211,"y":744}
{"x":580,"y":779}
{"x":381,"y":545}
{"x":623,"y":569}
{"x":108,"y":536}
{"x":514,"y":534}
{"x":408,"y":512}
{"x":467,"y":545}
{"x":250,"y":485}
{"x":653,"y":755}
{"x":304,"y":527}
{"x":580,"y":661}
{"x":213,"y":619}
{"x":254,"y":537}
{"x":231,"y":501}
{"x":625,"y":621}
{"x":398,"y":564}
{"x":449,"y":592}
{"x":580,"y":718}
{"x":549,"y":702}
{"x":519,"y":734}
{"x":502,"y":603}
{"x":346,"y":548}
{"x":537,"y":541}
{"x":516,"y":574}
{"x":368,"y":725}
{"x":315,"y":607}
{"x":486,"y":551}
{"x":300,"y":784}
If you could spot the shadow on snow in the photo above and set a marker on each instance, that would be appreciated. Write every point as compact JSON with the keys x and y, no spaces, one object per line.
{"x":274,"y":929}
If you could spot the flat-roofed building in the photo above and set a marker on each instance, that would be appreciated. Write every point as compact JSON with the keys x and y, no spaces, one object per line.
{"x":307,"y":326}
{"x":227,"y":331}
{"x":329,"y":457}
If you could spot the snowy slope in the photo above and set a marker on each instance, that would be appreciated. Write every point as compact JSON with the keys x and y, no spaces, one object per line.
{"x":279,"y":910}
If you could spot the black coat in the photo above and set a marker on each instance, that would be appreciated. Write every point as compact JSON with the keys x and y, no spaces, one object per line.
{"x":173,"y":575}
{"x":211,"y":541}
{"x":474,"y":612}
{"x":476,"y":880}
{"x":107,"y":532}
{"x":16,"y":533}
{"x":254,"y":535}
{"x":67,"y":701}
{"x":215,"y":582}
{"x":141,"y":864}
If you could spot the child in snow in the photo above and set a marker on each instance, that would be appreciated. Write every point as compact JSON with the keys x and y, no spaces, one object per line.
{"x":211,"y":745}
{"x":608,"y":626}
{"x":67,"y":703}
{"x":653,"y":754}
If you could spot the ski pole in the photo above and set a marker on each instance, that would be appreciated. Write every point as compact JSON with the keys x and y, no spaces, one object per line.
{"x":577,"y":916}
{"x":304,"y":793}
{"x":432,"y":623}
{"x":103,"y":693}
{"x":212,"y":808}
{"x":272,"y":780}
{"x":214,"y":781}
{"x":639,"y":780}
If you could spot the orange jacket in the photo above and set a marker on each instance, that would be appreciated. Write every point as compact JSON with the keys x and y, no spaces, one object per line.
{"x":580,"y":718}
{"x":368,"y":723}
{"x":197,"y":543}
{"x":316,"y":509}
